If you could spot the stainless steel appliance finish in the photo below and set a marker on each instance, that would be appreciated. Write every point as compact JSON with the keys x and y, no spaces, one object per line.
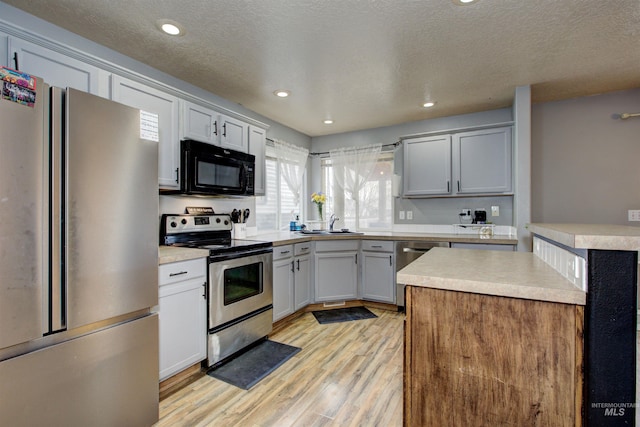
{"x":240,"y":282}
{"x":407,"y":252}
{"x":78,"y":261}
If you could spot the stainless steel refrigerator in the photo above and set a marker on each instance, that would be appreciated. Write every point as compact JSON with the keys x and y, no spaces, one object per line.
{"x":78,"y":260}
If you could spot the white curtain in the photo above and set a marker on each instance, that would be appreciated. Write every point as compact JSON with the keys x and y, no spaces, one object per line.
{"x":352,"y":167}
{"x":293,"y":161}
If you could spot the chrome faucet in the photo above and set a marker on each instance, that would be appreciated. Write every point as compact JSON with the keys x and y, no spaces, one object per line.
{"x":332,"y":220}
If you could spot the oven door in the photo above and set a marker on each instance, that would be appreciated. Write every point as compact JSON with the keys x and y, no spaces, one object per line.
{"x":239,"y":285}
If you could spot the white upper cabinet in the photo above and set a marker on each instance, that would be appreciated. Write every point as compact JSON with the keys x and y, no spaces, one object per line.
{"x":484,"y":161}
{"x":165,"y":105}
{"x":257,"y":141}
{"x":427,"y":166}
{"x":458,"y":164}
{"x":199,"y":123}
{"x":233,"y":133}
{"x":55,"y":68}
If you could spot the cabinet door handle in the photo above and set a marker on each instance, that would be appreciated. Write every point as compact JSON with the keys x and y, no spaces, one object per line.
{"x":215,"y":127}
{"x":224,"y":130}
{"x":177,"y":170}
{"x":390,"y":261}
{"x":15,"y":60}
{"x":206,"y":290}
{"x":178,"y":274}
{"x":448,"y":187}
{"x":458,"y":185}
{"x":356,"y":258}
{"x":298,"y":265}
{"x":292,"y":266}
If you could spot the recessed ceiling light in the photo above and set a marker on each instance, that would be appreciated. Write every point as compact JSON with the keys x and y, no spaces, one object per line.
{"x":170,"y":27}
{"x":328,"y":122}
{"x":428,"y":104}
{"x":282,"y":93}
{"x":464,"y":2}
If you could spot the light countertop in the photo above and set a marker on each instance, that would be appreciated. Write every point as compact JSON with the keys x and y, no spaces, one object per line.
{"x":287,"y":237}
{"x":167,"y":254}
{"x":509,"y":274}
{"x":591,"y":236}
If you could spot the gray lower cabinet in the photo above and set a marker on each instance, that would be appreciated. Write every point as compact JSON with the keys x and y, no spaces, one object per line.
{"x":291,"y":279}
{"x":302,"y":275}
{"x":182,"y":315}
{"x":283,"y":271}
{"x":336,"y":270}
{"x":378,"y":278}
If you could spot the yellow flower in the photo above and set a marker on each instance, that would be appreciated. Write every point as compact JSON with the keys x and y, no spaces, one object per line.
{"x":318,"y":198}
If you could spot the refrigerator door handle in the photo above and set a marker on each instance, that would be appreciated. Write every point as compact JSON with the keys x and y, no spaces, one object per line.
{"x":56,"y":285}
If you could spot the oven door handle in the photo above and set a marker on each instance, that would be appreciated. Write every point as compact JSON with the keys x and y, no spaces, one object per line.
{"x":239,"y":254}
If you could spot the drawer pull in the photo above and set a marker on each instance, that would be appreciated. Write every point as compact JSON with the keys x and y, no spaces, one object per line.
{"x":284,"y":252}
{"x":178,"y":274}
{"x":377,"y":246}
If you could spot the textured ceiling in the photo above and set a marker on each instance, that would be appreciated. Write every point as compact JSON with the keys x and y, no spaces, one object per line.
{"x":370,"y":63}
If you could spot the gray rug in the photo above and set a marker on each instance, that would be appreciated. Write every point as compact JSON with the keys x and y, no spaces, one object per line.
{"x":343,"y":315}
{"x":247,"y":369}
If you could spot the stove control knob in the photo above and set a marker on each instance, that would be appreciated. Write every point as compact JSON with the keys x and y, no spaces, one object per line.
{"x":226,"y":222}
{"x":218,"y":220}
{"x":173,"y":224}
{"x":184,"y":221}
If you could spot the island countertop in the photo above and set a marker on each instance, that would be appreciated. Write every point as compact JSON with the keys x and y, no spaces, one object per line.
{"x":591,"y":236}
{"x":509,"y":274}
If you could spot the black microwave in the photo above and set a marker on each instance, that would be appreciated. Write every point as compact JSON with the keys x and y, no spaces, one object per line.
{"x":209,"y":170}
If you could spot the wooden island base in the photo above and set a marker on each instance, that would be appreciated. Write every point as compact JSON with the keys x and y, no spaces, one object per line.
{"x":481,"y":360}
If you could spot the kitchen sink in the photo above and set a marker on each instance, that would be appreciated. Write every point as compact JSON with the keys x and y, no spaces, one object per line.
{"x":328,"y":232}
{"x":344,"y":232}
{"x":313,"y":232}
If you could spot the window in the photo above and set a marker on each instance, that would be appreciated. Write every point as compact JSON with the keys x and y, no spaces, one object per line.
{"x":276,"y":208}
{"x":374,"y":209}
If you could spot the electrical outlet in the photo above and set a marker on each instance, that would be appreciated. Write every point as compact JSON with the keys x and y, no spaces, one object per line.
{"x":495,"y":210}
{"x":409,"y":215}
{"x":634,"y":215}
{"x":401,"y":215}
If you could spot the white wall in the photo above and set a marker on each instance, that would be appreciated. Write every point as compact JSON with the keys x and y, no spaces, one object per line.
{"x":585,"y":162}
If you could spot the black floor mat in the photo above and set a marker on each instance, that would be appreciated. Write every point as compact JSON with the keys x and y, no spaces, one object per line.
{"x":343,"y":315}
{"x":250,"y":367}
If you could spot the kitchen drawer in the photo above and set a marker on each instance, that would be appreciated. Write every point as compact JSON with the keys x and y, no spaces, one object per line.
{"x":183,"y":270}
{"x":377,"y":245}
{"x":337,"y":245}
{"x":302,"y":248}
{"x":281,"y":252}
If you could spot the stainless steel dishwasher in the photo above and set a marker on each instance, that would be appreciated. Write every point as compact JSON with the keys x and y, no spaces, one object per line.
{"x":407,"y":252}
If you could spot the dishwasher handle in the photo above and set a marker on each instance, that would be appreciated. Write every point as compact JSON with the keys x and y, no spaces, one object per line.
{"x":414,"y":250}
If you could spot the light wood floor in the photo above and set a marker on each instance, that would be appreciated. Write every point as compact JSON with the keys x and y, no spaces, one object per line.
{"x":347,"y":374}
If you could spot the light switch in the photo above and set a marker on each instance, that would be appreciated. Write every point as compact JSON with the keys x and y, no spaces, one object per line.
{"x":401,"y":215}
{"x":409,"y":215}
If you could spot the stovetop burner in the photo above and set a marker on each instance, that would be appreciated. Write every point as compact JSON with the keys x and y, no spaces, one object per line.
{"x":210,"y":231}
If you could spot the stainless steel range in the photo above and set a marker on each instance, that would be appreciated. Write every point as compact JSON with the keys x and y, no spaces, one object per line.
{"x":240,"y":287}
